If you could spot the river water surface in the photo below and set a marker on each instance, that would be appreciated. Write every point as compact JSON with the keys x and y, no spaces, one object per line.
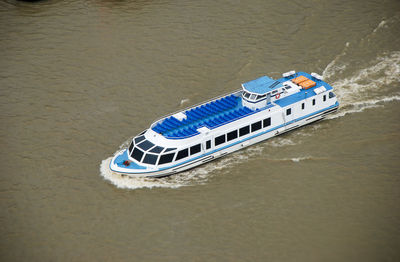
{"x":78,"y":79}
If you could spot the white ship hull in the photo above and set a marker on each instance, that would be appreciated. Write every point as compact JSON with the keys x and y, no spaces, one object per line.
{"x":236,"y":145}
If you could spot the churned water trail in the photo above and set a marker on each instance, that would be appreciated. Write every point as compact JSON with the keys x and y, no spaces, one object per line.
{"x":368,"y":87}
{"x":199,"y":175}
{"x":362,"y":85}
{"x":196,"y":176}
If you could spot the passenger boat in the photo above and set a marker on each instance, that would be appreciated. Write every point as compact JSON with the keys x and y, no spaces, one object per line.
{"x":261,"y":109}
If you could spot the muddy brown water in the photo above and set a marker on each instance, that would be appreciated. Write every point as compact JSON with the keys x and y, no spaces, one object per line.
{"x":78,"y":79}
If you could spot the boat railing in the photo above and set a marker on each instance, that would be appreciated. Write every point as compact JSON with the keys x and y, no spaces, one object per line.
{"x":224,"y":123}
{"x":194,"y":106}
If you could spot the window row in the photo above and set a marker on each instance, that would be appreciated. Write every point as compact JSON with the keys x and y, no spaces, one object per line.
{"x":303,"y":105}
{"x":140,"y":154}
{"x":253,"y":97}
{"x":151,"y":159}
{"x":241,"y":131}
{"x":145,"y":145}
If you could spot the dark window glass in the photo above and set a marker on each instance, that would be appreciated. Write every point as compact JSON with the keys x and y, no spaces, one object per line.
{"x":266,"y":122}
{"x":167,"y":158}
{"x":331,"y":95}
{"x":219,"y":140}
{"x":288,"y":87}
{"x":139,"y":139}
{"x":302,"y":106}
{"x":244,"y":130}
{"x":156,"y":149}
{"x":195,"y":149}
{"x":232,"y":135}
{"x":208,"y":144}
{"x":150,"y":159}
{"x":130,"y":147}
{"x":146,"y":145}
{"x":256,"y":126}
{"x":313,"y":102}
{"x":182,"y":154}
{"x":288,"y":111}
{"x":324,"y":98}
{"x":261,"y":96}
{"x":137,"y":154}
{"x":143,"y":132}
{"x":169,"y":149}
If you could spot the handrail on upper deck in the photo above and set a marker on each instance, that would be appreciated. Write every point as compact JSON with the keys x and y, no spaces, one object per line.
{"x":193,"y":106}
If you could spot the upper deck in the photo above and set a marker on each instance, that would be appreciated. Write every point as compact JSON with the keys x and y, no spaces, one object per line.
{"x":210,"y":115}
{"x":229,"y":108}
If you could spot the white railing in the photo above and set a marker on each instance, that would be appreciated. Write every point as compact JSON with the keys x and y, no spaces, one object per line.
{"x":193,"y":106}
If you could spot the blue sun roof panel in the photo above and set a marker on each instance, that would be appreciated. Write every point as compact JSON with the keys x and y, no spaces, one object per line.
{"x":261,"y":85}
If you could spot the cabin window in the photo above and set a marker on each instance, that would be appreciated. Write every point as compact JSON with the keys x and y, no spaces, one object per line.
{"x":288,"y":111}
{"x":266,"y":122}
{"x":156,"y":149}
{"x":137,"y":154}
{"x":253,"y":96}
{"x":169,"y":149}
{"x":261,"y":96}
{"x":302,"y":106}
{"x":182,"y":154}
{"x":244,"y":130}
{"x":130,"y":147}
{"x":232,"y":135}
{"x":150,"y":159}
{"x":246,"y":95}
{"x":195,"y":149}
{"x":313,"y":102}
{"x":256,"y":126}
{"x":166,"y":158}
{"x":146,"y":145}
{"x":331,"y":95}
{"x":208,"y":144}
{"x":324,"y":98}
{"x":139,"y":139}
{"x":274,"y":92}
{"x":219,"y":140}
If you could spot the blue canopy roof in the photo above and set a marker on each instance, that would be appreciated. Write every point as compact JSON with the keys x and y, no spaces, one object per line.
{"x":261,"y":85}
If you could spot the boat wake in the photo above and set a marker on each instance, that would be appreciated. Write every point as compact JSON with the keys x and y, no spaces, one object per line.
{"x":198,"y":176}
{"x":297,"y":159}
{"x":364,"y":78}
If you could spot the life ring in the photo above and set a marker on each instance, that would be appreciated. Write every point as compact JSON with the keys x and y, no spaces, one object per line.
{"x":278,"y":96}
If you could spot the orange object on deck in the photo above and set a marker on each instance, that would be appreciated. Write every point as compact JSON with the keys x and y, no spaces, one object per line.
{"x":307,"y":84}
{"x":299,"y":79}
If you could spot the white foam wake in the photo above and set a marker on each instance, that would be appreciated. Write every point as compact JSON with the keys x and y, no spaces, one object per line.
{"x":366,"y":74}
{"x":358,"y":107}
{"x":280,"y":142}
{"x":374,"y":79}
{"x":196,"y":176}
{"x":334,"y":67}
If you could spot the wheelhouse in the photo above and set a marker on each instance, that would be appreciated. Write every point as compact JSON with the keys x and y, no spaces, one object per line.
{"x":146,"y":152}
